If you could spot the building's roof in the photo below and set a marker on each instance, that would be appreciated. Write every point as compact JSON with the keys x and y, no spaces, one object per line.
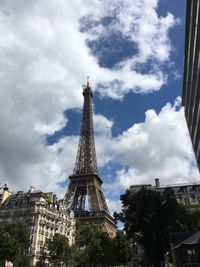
{"x":32,"y":197}
{"x":190,"y":241}
{"x":177,"y":188}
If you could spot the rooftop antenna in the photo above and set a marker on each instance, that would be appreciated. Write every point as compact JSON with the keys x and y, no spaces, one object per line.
{"x":88,"y":82}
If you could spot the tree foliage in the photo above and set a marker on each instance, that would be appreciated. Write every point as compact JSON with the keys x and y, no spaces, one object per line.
{"x":59,"y":250}
{"x":192,"y":220}
{"x":93,"y":246}
{"x":88,"y":244}
{"x":19,"y":231}
{"x":148,"y":218}
{"x":122,"y":250}
{"x":9,"y":247}
{"x":14,"y":242}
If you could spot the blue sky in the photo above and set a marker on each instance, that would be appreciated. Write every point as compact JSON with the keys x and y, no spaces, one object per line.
{"x":133,"y":52}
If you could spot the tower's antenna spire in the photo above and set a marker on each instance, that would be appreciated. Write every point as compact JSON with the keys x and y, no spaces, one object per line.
{"x":88,"y":81}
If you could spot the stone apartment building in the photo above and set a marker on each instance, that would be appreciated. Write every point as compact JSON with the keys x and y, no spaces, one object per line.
{"x":42,"y":213}
{"x":187,"y":194}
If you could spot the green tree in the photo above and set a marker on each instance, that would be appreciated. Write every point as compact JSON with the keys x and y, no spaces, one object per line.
{"x":93,"y":247}
{"x":107,"y":245}
{"x":19,"y":230}
{"x":14,"y":242}
{"x":59,"y":250}
{"x":192,"y":220}
{"x":9,"y":247}
{"x":148,"y":217}
{"x":88,"y":244}
{"x":122,"y":251}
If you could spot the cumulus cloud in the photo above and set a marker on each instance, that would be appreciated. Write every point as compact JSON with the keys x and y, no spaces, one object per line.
{"x":156,"y":139}
{"x":44,"y":57}
{"x":114,"y":205}
{"x":103,"y":126}
{"x":159,"y":147}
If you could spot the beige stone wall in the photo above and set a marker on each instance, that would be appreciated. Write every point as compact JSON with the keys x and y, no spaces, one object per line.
{"x":5,"y":195}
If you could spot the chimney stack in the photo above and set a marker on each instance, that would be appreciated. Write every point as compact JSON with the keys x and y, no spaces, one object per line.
{"x":157,"y":182}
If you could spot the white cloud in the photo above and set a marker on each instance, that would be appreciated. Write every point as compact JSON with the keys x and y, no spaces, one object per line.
{"x":126,"y":178}
{"x":44,"y":58}
{"x":114,"y":205}
{"x":42,"y":46}
{"x":102,"y":125}
{"x":158,"y":147}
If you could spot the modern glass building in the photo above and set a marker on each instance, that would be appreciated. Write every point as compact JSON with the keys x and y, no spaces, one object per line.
{"x":191,"y":80}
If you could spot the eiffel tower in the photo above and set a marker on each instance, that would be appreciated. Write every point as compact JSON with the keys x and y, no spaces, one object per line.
{"x":84,"y":195}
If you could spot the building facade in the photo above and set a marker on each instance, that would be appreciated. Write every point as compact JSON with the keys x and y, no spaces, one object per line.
{"x":187,"y":194}
{"x":42,"y":213}
{"x":191,"y":80}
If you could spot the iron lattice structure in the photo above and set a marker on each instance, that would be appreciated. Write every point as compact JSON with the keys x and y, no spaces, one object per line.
{"x":84,"y":195}
{"x":86,"y":162}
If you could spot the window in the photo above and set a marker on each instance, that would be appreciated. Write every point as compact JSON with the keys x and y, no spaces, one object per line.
{"x":187,"y":201}
{"x":194,"y":188}
{"x":193,"y":198}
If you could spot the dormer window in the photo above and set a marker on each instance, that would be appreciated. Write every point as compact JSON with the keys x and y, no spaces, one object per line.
{"x":193,"y":198}
{"x":187,"y":201}
{"x":194,"y":188}
{"x":183,"y":189}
